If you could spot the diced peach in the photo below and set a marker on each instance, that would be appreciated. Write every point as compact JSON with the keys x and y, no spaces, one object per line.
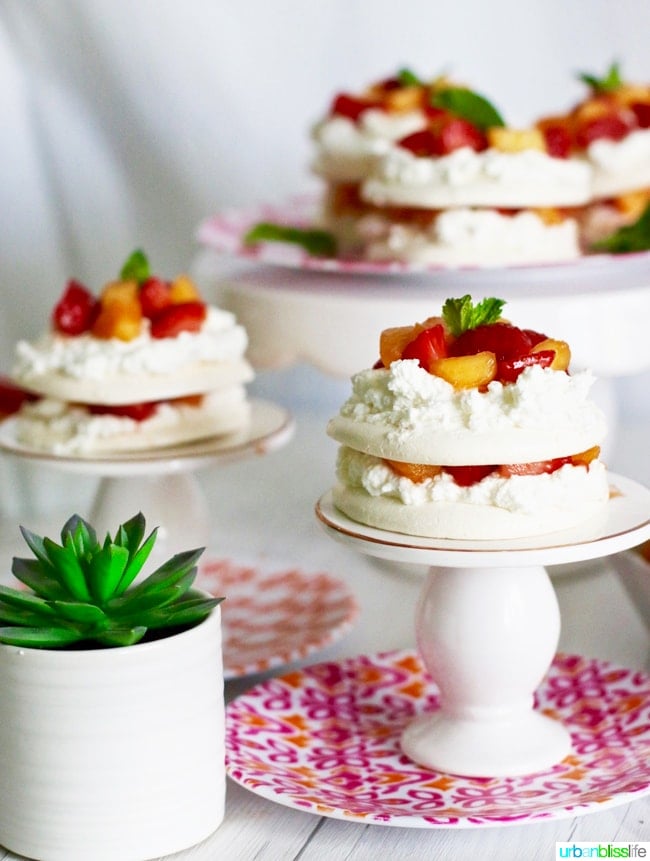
{"x":467,"y":372}
{"x":560,"y":348}
{"x":183,"y":289}
{"x":119,"y":293}
{"x":416,"y":472}
{"x":117,"y":320}
{"x":584,"y":458}
{"x":627,"y":94}
{"x":515,"y":140}
{"x":549,"y":214}
{"x":633,"y":203}
{"x":401,"y":100}
{"x":392,"y":341}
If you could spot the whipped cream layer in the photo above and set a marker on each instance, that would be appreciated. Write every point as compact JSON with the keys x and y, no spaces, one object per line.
{"x":471,"y":237}
{"x":347,"y":150}
{"x":110,"y":371}
{"x":466,"y":178}
{"x":65,"y":429}
{"x":369,"y":492}
{"x":620,"y":166}
{"x":404,"y":413}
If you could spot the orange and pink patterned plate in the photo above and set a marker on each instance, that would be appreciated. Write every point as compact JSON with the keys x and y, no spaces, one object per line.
{"x":325,"y":739}
{"x":273,"y":617}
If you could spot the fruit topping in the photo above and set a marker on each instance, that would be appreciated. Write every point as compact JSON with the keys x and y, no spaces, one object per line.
{"x":428,"y":346}
{"x":467,"y":372}
{"x":12,"y":397}
{"x":170,"y":307}
{"x":76,"y":310}
{"x":443,"y":136}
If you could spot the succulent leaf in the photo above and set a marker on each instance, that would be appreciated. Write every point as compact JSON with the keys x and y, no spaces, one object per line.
{"x":169,"y":572}
{"x":44,"y":638}
{"x":136,"y":563}
{"x":122,"y":636}
{"x":30,"y":572}
{"x":37,"y":545}
{"x":80,"y":613}
{"x":105,"y":570}
{"x":25,"y":601}
{"x":69,"y":570}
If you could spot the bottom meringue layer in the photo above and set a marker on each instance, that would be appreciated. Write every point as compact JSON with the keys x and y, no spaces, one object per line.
{"x":68,"y":429}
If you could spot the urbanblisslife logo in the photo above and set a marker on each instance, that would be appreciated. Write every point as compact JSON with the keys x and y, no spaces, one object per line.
{"x":584,"y":850}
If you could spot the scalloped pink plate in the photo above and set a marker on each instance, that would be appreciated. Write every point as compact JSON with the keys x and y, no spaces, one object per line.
{"x":274,"y":617}
{"x":225,"y":231}
{"x":325,"y":739}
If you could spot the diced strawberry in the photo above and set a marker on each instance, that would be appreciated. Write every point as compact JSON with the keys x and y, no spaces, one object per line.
{"x":610,"y":126}
{"x":12,"y":397}
{"x":454,"y":133}
{"x":537,"y":468}
{"x":422,"y":144}
{"x":502,"y":339}
{"x":427,"y":346}
{"x":350,"y":106}
{"x":464,"y":476}
{"x":76,"y":310}
{"x":154,"y":295}
{"x":184,"y":317}
{"x":558,"y":140}
{"x":509,"y":369}
{"x":535,"y":337}
{"x":137,"y":412}
{"x":641,"y":111}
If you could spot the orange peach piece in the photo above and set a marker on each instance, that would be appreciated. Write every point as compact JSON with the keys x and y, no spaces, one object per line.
{"x":392,"y":341}
{"x":119,"y":293}
{"x":562,"y":351}
{"x":584,"y":458}
{"x":515,"y":140}
{"x":183,"y":289}
{"x":121,"y":321}
{"x":416,"y":472}
{"x":466,"y":372}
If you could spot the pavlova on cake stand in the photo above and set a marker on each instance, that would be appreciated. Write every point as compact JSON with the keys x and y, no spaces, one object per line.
{"x":487,"y":627}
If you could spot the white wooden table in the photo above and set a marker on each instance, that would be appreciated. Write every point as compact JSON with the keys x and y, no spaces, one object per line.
{"x":263,"y":508}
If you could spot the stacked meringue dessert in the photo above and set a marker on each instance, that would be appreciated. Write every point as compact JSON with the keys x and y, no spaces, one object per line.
{"x":146,"y":364}
{"x":429,"y":172}
{"x":469,"y":427}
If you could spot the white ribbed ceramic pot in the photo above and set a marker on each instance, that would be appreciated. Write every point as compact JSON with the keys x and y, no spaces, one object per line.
{"x":112,"y":754}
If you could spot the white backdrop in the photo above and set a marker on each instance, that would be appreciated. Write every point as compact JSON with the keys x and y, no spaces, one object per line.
{"x":126,"y":122}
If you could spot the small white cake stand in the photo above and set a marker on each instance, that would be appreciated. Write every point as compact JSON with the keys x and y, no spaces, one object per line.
{"x":161,"y":482}
{"x":487,"y":627}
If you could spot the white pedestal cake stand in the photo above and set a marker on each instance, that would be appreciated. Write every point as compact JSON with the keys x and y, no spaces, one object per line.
{"x":162,"y":483}
{"x":487,"y":627}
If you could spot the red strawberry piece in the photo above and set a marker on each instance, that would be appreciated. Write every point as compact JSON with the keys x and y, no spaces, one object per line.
{"x":76,"y":310}
{"x":12,"y":397}
{"x":422,"y":143}
{"x":183,"y":317}
{"x":502,"y":339}
{"x":558,"y":141}
{"x":641,"y":111}
{"x":138,"y":412}
{"x":464,"y":476}
{"x":535,"y":337}
{"x":609,"y":127}
{"x":537,"y":468}
{"x":349,"y":106}
{"x":509,"y":369}
{"x":154,"y":295}
{"x":454,"y":133}
{"x":427,"y":346}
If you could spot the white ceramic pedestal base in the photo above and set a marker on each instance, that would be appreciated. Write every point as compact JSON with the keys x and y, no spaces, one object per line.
{"x":487,"y":637}
{"x":487,"y":626}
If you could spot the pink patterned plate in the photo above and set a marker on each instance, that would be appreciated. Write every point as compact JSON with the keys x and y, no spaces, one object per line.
{"x":325,"y":739}
{"x":272,"y":618}
{"x":225,"y":233}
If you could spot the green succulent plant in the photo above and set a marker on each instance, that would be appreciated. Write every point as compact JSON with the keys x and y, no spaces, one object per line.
{"x":82,"y":592}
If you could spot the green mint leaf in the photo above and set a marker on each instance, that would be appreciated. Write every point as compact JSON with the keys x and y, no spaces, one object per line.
{"x":610,"y":81}
{"x":633,"y":237}
{"x":469,"y":106}
{"x":318,"y":243}
{"x":461,"y":314}
{"x":136,"y":267}
{"x":407,"y":78}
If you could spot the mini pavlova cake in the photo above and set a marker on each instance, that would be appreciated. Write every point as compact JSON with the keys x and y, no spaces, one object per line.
{"x":144,"y":365}
{"x":470,"y":428}
{"x":468,"y":189}
{"x":609,"y":130}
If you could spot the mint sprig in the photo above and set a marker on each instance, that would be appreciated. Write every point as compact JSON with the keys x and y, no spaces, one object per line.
{"x":408,"y":78}
{"x":136,"y":267}
{"x":632,"y":237}
{"x":611,"y":80}
{"x":468,"y":105}
{"x":318,"y":243}
{"x":461,"y":314}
